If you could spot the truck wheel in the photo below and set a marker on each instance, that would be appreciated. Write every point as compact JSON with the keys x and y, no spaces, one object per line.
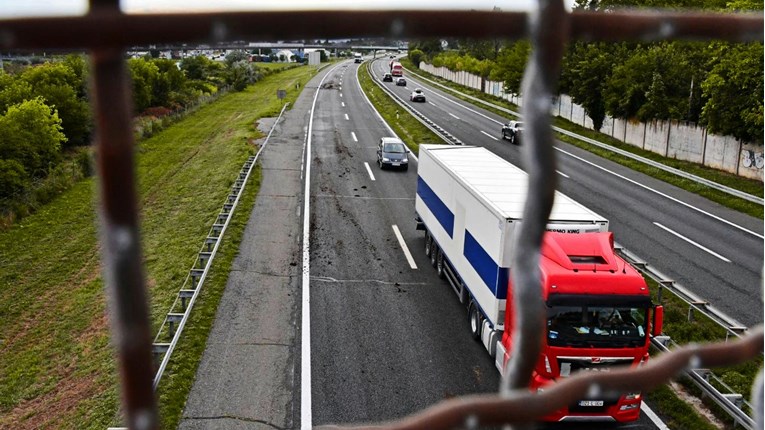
{"x":440,"y":264}
{"x":434,"y":253}
{"x":475,"y":321}
{"x":428,"y":244}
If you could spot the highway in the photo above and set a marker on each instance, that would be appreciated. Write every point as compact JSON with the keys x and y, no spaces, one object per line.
{"x":387,"y":336}
{"x":715,"y":252}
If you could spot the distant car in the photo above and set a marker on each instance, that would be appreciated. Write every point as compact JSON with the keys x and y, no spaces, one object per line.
{"x":417,"y":96}
{"x":392,"y":56}
{"x":392,"y":152}
{"x":513,"y":131}
{"x":401,"y":82}
{"x":387,"y":77}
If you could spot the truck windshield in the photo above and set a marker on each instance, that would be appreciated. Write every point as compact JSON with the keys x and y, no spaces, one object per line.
{"x":599,"y":326}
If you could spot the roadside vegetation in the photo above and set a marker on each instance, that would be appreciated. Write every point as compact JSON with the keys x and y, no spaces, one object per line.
{"x":47,"y":125}
{"x":57,"y":369}
{"x":676,"y":412}
{"x":750,"y":186}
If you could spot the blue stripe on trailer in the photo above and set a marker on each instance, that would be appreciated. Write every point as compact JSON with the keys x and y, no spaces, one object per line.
{"x":493,"y":276}
{"x":442,"y":213}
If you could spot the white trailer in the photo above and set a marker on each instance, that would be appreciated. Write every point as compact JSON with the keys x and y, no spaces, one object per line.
{"x":470,"y":201}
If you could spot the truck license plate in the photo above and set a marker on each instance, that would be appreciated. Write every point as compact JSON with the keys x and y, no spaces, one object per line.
{"x":596,"y":403}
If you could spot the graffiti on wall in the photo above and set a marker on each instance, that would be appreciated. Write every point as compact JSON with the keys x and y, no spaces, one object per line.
{"x":752,"y":159}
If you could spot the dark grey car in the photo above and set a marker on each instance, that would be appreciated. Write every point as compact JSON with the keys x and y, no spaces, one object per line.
{"x":392,"y":152}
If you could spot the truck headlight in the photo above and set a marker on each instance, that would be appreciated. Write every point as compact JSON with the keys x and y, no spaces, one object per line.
{"x":548,"y":369}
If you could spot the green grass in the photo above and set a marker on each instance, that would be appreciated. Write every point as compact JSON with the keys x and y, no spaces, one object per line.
{"x":750,"y":186}
{"x":56,"y":365}
{"x":406,"y":126}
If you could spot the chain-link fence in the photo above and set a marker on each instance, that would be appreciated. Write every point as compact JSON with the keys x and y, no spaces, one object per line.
{"x":106,"y":32}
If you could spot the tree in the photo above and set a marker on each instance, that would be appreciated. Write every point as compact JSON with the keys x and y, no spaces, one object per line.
{"x":416,"y":56}
{"x":12,"y":91}
{"x":144,"y":74}
{"x":733,"y":90}
{"x":198,"y":68}
{"x":236,"y":56}
{"x":59,"y":86}
{"x":431,"y":47}
{"x":170,"y":83}
{"x":586,"y":68}
{"x":511,"y":65}
{"x":32,"y":136}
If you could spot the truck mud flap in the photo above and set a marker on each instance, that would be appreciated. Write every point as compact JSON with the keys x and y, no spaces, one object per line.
{"x":499,"y":357}
{"x":489,"y":338}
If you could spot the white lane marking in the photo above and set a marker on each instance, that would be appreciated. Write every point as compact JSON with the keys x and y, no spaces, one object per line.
{"x":346,"y":117}
{"x":371,"y":175}
{"x":342,"y":104}
{"x":404,"y":247}
{"x":353,"y":135}
{"x":664,"y":195}
{"x":702,"y":247}
{"x":562,"y":174}
{"x":453,"y":115}
{"x":468,"y":109}
{"x":432,"y":104}
{"x":340,"y":88}
{"x":306,"y":418}
{"x":341,"y":94}
{"x":487,"y":134}
{"x":653,"y":417}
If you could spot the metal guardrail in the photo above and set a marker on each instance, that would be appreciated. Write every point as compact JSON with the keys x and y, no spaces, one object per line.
{"x":427,"y":122}
{"x":730,"y":402}
{"x":181,"y":308}
{"x":698,"y":179}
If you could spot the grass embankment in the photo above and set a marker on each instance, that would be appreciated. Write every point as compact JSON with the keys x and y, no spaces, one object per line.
{"x":750,"y":186}
{"x":57,"y":368}
{"x":406,"y":126}
{"x":677,"y":413}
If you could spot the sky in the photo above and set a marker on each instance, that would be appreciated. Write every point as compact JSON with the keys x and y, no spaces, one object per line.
{"x":29,"y":8}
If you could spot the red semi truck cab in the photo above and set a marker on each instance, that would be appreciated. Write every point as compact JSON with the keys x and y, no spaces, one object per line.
{"x":598,"y":315}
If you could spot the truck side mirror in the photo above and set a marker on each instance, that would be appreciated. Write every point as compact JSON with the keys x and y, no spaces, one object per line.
{"x":658,"y":320}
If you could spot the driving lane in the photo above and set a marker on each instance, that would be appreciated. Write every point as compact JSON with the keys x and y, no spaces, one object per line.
{"x":386,"y":340}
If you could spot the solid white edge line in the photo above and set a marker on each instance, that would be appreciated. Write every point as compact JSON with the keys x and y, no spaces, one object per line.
{"x":698,"y":245}
{"x":306,"y":416}
{"x":346,"y":117}
{"x":404,"y":247}
{"x":369,"y":170}
{"x":664,"y":195}
{"x":653,"y":417}
{"x":562,"y":174}
{"x":487,"y":134}
{"x":453,"y":115}
{"x":353,"y":135}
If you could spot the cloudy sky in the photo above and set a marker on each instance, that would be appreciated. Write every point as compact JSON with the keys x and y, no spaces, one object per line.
{"x":15,"y":8}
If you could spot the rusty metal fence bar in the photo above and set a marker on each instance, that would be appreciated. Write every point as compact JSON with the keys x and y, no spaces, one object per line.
{"x":105,"y":31}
